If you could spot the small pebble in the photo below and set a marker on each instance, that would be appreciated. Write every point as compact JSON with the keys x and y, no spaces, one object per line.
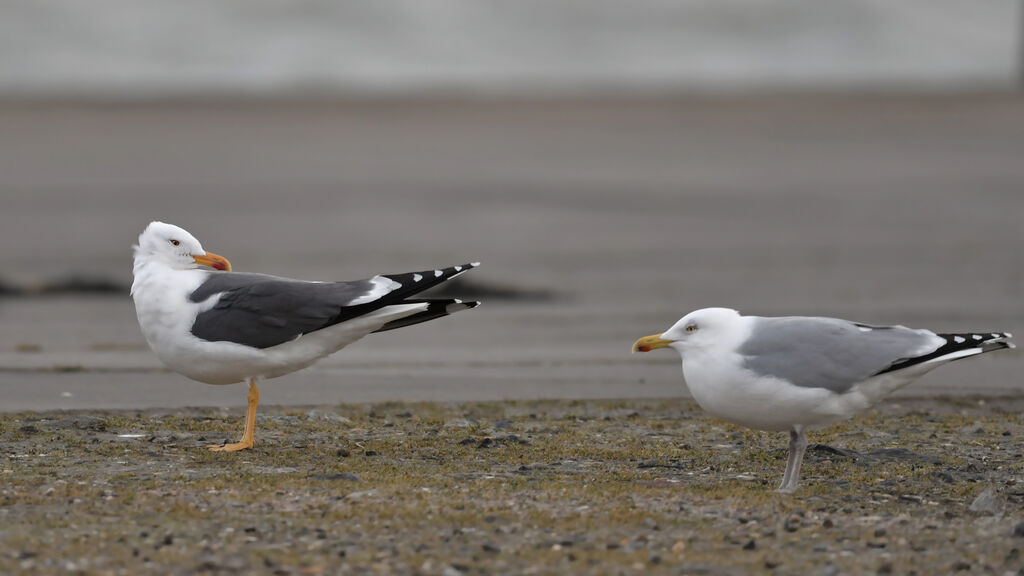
{"x":1018,"y":530}
{"x":340,"y":476}
{"x":459,"y":423}
{"x":986,"y":503}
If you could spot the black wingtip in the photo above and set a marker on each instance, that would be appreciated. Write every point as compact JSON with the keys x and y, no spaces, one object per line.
{"x":415,"y":282}
{"x":464,"y":268}
{"x":956,"y":343}
{"x":454,"y":305}
{"x":435,"y":309}
{"x":994,"y":344}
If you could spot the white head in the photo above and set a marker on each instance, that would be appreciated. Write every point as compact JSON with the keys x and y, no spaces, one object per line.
{"x":698,"y":329}
{"x":175,"y":248}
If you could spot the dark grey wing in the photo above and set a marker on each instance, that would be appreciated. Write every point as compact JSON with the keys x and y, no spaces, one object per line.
{"x":262,"y":311}
{"x":828,"y":352}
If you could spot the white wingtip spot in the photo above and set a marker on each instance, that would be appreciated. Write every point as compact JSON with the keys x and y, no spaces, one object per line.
{"x":458,"y":268}
{"x":416,"y":277}
{"x":457,"y":301}
{"x":976,"y":336}
{"x":1008,"y":335}
{"x":474,"y":264}
{"x":437,"y":273}
{"x":994,"y":335}
{"x":386,"y":283}
{"x":959,"y":339}
{"x":381,"y":285}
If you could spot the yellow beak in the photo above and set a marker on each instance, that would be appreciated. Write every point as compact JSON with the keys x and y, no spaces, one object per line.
{"x":648,"y":343}
{"x":214,"y":261}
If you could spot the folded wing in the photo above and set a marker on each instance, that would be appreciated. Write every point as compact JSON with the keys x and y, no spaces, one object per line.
{"x":262,"y":311}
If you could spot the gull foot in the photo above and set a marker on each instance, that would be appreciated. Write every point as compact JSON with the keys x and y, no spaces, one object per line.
{"x":235,"y":447}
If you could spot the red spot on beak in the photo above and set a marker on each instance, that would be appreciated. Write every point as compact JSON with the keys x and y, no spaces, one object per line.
{"x":212,"y":260}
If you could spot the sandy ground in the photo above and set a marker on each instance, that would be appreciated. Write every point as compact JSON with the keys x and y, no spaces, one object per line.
{"x":609,"y":220}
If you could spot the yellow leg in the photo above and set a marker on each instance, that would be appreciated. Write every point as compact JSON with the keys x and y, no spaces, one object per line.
{"x":248,"y":439}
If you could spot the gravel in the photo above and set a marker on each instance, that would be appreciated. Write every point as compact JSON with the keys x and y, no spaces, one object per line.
{"x":548,"y":487}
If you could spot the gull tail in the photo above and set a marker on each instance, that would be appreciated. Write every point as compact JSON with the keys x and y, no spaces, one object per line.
{"x":435,"y":309}
{"x":958,"y":346}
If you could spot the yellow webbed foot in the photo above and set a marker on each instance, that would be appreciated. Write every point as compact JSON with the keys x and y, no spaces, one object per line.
{"x":249,"y":436}
{"x":233,"y":447}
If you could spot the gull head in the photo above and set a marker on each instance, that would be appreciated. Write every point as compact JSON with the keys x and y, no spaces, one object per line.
{"x":698,"y":329}
{"x":176,"y":248}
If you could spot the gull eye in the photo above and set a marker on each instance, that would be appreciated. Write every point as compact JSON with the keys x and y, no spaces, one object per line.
{"x":175,"y":243}
{"x":691,"y":328}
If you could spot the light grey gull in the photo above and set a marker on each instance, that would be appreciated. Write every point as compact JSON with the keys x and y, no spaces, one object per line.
{"x":798,"y":372}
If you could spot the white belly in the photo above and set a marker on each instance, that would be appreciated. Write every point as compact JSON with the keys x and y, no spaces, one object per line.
{"x":737,"y":395}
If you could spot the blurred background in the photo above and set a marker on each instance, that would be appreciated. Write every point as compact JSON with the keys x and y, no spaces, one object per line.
{"x":613,"y":164}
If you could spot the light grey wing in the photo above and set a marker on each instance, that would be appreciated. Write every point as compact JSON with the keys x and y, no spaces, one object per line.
{"x":828,"y":352}
{"x":262,"y":311}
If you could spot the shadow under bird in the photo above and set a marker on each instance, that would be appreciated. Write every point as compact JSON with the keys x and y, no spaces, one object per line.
{"x":798,"y":372}
{"x":220,"y":327}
